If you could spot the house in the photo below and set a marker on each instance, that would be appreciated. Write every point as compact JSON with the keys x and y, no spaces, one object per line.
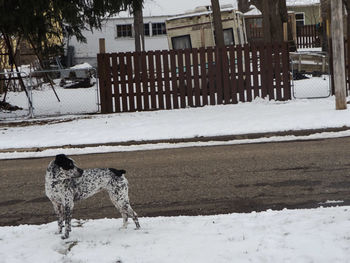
{"x":195,"y":29}
{"x":118,"y":30}
{"x":300,"y":13}
{"x":307,"y":12}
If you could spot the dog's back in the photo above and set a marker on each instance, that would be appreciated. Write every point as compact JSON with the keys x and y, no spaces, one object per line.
{"x":94,"y":180}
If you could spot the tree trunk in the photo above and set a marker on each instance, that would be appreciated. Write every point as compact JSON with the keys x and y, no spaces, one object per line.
{"x":219,"y":34}
{"x":266,"y":21}
{"x":137,"y":30}
{"x":243,"y":6}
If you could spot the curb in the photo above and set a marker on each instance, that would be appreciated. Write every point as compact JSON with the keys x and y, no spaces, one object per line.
{"x":181,"y":140}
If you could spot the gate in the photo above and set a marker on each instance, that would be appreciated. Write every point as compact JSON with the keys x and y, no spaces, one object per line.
{"x":154,"y":80}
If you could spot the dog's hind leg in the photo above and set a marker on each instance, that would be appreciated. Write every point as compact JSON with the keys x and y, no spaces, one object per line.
{"x":58,"y":208}
{"x":123,"y":205}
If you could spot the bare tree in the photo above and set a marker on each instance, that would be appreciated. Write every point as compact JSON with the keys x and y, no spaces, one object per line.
{"x":138,"y":26}
{"x":274,"y":14}
{"x":243,"y":6}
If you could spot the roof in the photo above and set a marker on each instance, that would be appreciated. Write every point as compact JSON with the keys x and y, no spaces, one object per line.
{"x":179,"y":7}
{"x":302,"y":2}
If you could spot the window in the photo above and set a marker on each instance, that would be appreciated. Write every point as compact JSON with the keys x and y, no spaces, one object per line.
{"x":158,"y":29}
{"x":181,"y":42}
{"x":300,"y":19}
{"x":228,"y":37}
{"x":146,"y":29}
{"x":124,"y":30}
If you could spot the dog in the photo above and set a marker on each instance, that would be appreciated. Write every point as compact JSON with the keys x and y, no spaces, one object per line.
{"x":65,"y":183}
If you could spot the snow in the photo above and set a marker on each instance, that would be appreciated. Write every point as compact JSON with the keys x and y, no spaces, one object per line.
{"x":169,"y":7}
{"x":313,"y":235}
{"x":259,"y":116}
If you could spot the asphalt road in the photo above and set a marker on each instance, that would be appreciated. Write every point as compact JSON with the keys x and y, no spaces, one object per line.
{"x":193,"y":181}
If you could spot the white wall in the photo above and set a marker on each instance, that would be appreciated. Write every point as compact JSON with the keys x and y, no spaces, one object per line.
{"x":87,"y":52}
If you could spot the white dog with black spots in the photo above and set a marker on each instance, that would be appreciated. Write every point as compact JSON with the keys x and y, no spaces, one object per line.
{"x":66,"y":183}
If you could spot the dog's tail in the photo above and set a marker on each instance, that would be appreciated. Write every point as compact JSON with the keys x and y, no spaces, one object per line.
{"x":117,"y":172}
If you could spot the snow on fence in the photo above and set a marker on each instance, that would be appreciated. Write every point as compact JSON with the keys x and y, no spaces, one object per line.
{"x":153,"y":80}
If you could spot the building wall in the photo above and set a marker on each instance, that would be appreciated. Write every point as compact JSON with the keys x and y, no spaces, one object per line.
{"x":312,"y":13}
{"x":201,"y":30}
{"x":87,"y":52}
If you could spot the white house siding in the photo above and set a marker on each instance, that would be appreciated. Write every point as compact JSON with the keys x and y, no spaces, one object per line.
{"x":87,"y":52}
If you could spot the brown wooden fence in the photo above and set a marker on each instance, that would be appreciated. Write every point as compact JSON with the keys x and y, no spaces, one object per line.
{"x":308,"y":36}
{"x":153,"y":80}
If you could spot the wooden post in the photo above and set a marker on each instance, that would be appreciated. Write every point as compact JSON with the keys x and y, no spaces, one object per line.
{"x":102,"y":45}
{"x":285,"y":32}
{"x":338,"y":54}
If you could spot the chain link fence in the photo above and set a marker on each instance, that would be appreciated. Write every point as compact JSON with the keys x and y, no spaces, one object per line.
{"x":48,"y":93}
{"x":311,"y":75}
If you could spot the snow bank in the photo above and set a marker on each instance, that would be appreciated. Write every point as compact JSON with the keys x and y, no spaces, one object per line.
{"x":314,"y":235}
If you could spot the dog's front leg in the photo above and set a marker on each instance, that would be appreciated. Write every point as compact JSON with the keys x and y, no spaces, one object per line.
{"x":58,"y":208}
{"x":68,"y":209}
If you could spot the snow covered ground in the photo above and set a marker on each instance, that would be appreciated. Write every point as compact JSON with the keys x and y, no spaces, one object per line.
{"x":257,"y":117}
{"x":315,"y":235}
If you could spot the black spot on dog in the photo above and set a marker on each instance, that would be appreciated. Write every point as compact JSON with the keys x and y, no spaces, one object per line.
{"x":64,"y":162}
{"x":117,"y":172}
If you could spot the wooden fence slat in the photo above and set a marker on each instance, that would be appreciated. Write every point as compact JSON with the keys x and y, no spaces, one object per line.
{"x":211,"y":76}
{"x":247,"y":62}
{"x":204,"y":83}
{"x":123,"y":71}
{"x":197,"y":91}
{"x":226,"y":76}
{"x":138,"y":92}
{"x":255,"y":71}
{"x":218,"y":71}
{"x":233,"y":80}
{"x":188,"y":69}
{"x":240,"y":74}
{"x":270,"y":86}
{"x":152,"y":82}
{"x":174,"y":82}
{"x":130,"y":93}
{"x":165,"y":55}
{"x":115,"y":72}
{"x":160,"y":89}
{"x":263,"y":69}
{"x":277,"y":70}
{"x":144,"y":76}
{"x":181,"y":78}
{"x":285,"y":70}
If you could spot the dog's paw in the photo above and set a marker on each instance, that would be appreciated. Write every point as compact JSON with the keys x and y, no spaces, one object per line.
{"x":123,"y":227}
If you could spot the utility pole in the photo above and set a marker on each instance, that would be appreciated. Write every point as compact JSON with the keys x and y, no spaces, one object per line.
{"x":219,"y":33}
{"x":338,"y":54}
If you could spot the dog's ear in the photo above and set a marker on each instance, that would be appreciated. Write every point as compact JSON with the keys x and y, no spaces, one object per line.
{"x":63,"y":161}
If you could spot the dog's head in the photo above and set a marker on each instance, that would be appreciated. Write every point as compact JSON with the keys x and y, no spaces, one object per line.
{"x":67,"y":164}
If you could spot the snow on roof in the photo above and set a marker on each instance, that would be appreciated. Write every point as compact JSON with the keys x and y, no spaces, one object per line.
{"x":174,"y":7}
{"x":302,"y":2}
{"x":199,"y":13}
{"x":181,"y":7}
